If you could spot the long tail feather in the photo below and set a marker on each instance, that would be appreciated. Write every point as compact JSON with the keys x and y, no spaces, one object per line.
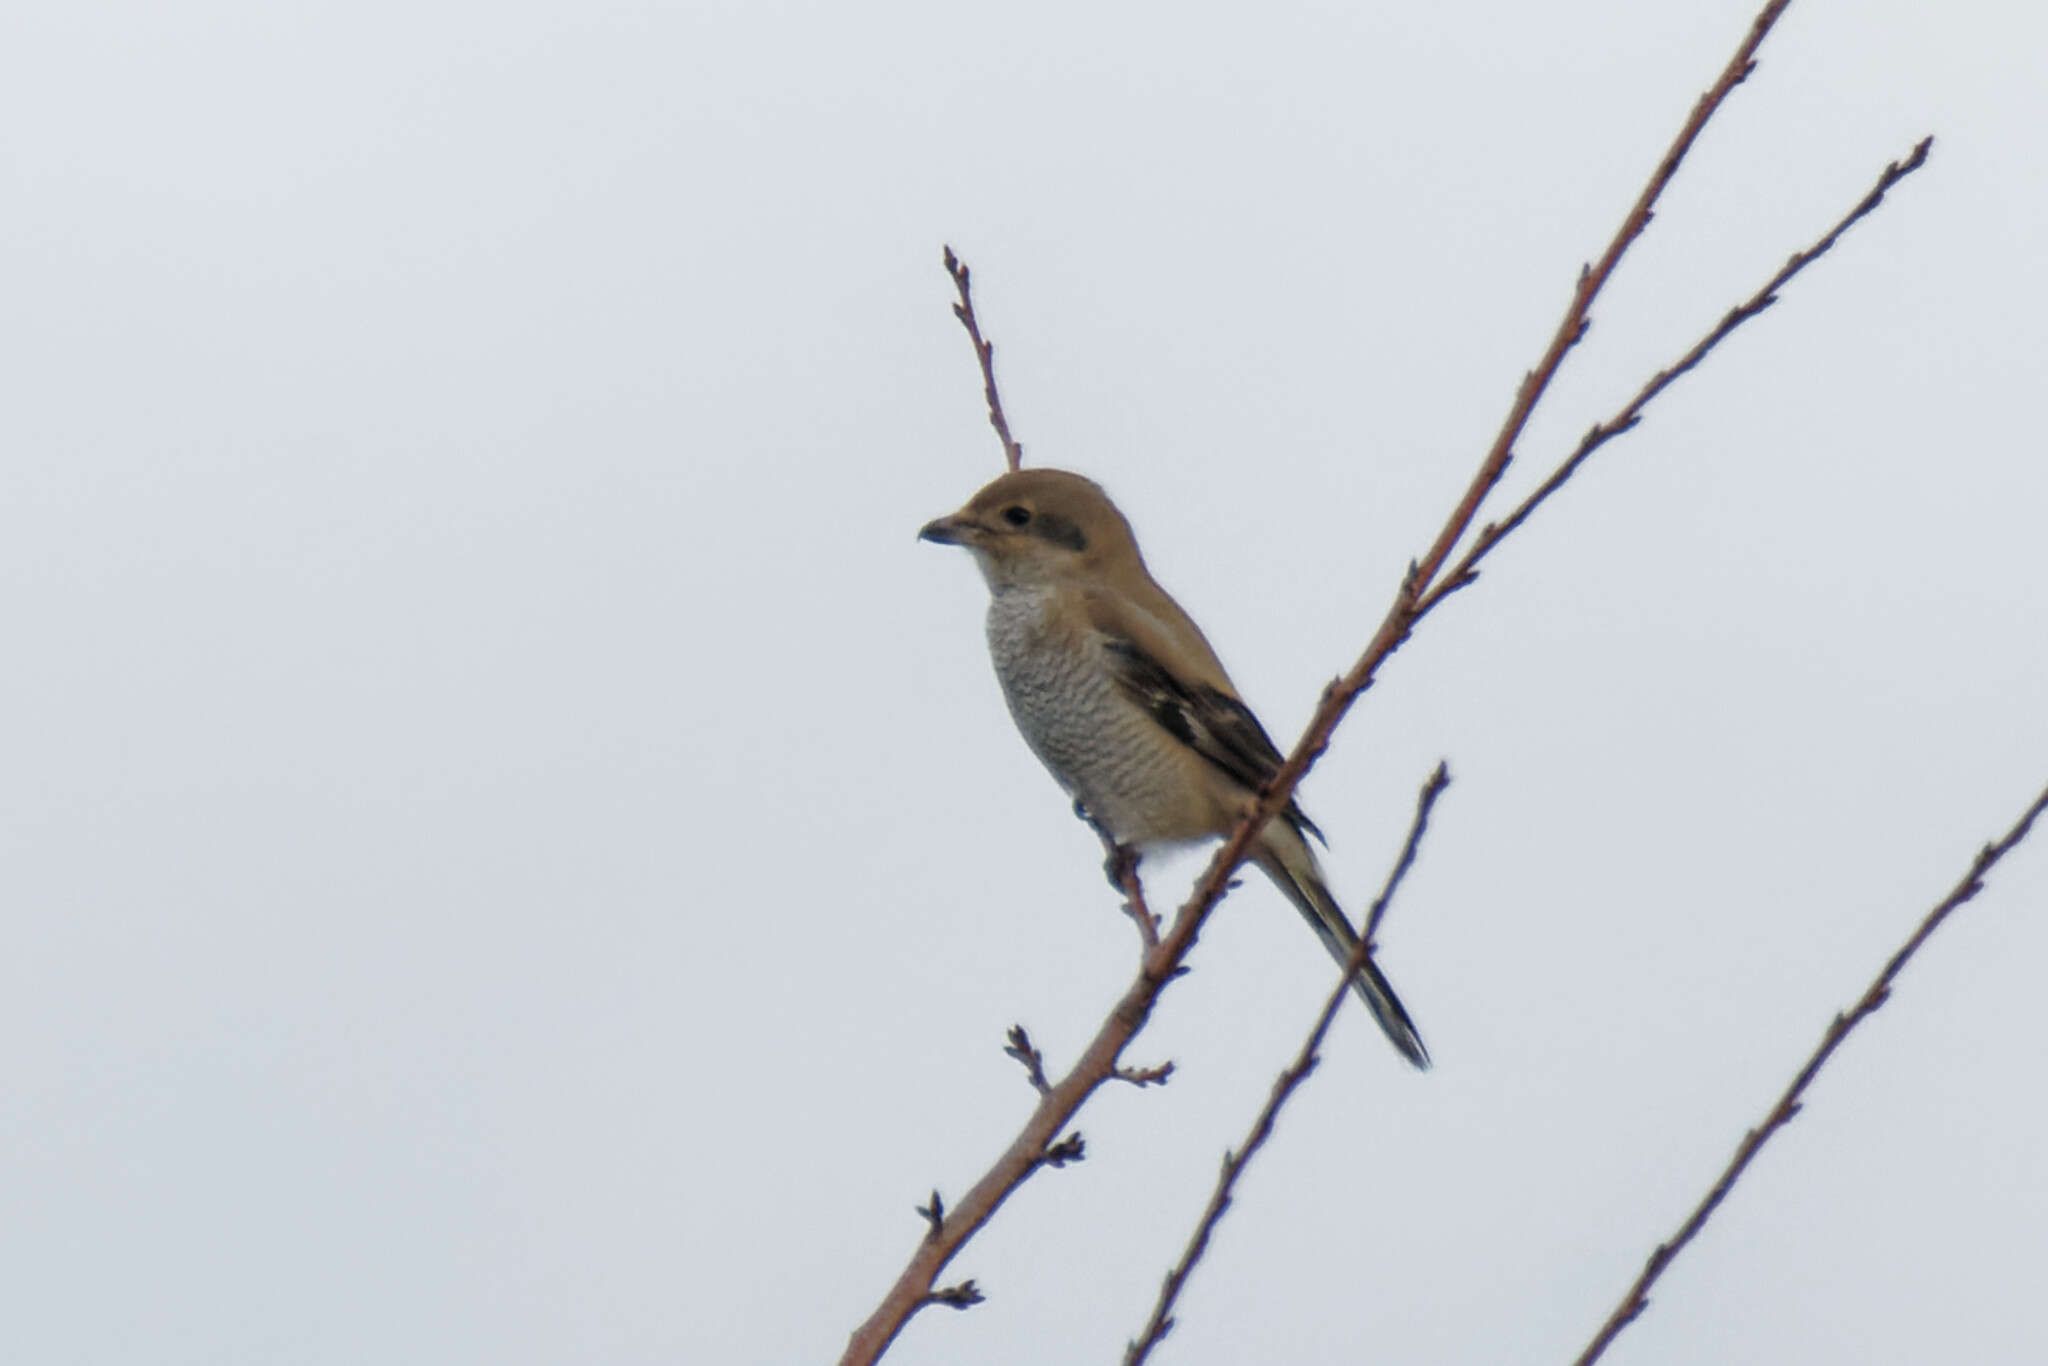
{"x":1286,"y":858}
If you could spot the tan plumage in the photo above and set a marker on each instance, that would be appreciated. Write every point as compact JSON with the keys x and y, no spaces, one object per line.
{"x":1119,"y":694}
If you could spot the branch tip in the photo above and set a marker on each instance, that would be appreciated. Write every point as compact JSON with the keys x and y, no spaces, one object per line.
{"x":1072,"y":1148}
{"x":1142,"y":1077}
{"x":1024,"y":1051}
{"x":984,"y":353}
{"x":935,"y":1215}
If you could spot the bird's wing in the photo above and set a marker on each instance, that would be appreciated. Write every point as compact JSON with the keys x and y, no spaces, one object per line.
{"x":1210,"y":720}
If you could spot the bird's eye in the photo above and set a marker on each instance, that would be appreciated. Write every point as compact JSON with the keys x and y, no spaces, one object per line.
{"x":1017,"y":516}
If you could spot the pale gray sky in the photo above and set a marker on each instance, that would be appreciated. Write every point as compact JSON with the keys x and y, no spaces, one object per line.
{"x":510,"y":853}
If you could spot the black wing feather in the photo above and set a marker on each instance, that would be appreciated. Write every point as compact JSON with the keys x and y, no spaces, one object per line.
{"x":1207,"y":720}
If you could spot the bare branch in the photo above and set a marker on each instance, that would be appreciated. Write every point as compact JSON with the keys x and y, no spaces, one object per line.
{"x":1161,"y":1322}
{"x":1120,"y":866}
{"x":1123,"y":871}
{"x":1631,"y":413}
{"x":1142,"y":1077}
{"x":1578,"y":316}
{"x":1424,"y":801}
{"x":1638,"y":1297}
{"x":985,"y":352}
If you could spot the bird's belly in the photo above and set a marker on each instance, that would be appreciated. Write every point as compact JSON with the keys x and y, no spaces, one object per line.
{"x":1118,"y":762}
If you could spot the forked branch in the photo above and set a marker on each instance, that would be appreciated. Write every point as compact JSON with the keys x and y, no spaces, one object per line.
{"x":1631,"y":413}
{"x":1593,"y":278}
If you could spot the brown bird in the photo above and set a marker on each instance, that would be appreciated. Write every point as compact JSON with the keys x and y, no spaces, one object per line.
{"x":1118,"y":693}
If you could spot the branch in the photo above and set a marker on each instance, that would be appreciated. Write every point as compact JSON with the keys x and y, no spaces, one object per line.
{"x":962,"y":1296}
{"x":1142,"y":1077}
{"x":1163,"y":962}
{"x":1592,"y":279}
{"x":1410,"y":602}
{"x":1024,"y":1051}
{"x":1161,"y":1322}
{"x":985,"y":352}
{"x":1424,"y":801}
{"x":1637,"y":1299}
{"x":1120,"y":866}
{"x":1631,"y":413}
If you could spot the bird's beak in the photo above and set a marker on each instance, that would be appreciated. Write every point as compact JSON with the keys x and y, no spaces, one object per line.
{"x":946,"y":530}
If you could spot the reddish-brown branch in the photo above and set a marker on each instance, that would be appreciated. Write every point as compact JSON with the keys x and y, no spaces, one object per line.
{"x":1592,"y":279}
{"x":1637,"y":1299}
{"x":984,"y":352}
{"x":1146,"y":1076}
{"x":1161,"y":1322}
{"x":1407,"y":607}
{"x":1122,"y":866}
{"x":1026,"y":1154}
{"x":1631,"y":413}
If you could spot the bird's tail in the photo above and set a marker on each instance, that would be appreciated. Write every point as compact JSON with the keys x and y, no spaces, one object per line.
{"x":1285,"y":857}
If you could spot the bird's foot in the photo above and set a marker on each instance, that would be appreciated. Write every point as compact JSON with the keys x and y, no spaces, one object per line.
{"x":1121,"y":867}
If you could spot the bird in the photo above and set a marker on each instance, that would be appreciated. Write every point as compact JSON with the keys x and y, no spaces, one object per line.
{"x":1118,"y":693}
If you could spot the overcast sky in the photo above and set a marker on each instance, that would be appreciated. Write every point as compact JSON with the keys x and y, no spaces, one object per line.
{"x":511,"y":853}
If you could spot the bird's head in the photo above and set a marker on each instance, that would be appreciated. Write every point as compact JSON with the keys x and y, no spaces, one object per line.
{"x":1037,"y":526}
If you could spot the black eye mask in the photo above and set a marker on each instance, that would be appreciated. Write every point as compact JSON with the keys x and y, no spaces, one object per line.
{"x":1059,"y":530}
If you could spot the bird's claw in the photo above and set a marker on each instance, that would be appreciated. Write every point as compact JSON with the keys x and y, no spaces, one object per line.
{"x":1121,"y":865}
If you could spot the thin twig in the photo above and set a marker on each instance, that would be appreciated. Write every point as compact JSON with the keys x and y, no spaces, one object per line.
{"x":1637,"y":1299}
{"x":985,"y":352}
{"x":935,"y":1215}
{"x":1161,"y":1322}
{"x":1163,"y":962}
{"x":1120,"y":866}
{"x":1072,"y":1148}
{"x":1631,"y":413}
{"x":1424,"y":800}
{"x":1123,"y":871}
{"x":962,"y":1296}
{"x":1024,"y":1051}
{"x":1142,"y":1077}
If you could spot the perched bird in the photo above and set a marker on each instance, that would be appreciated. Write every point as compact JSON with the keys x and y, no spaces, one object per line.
{"x":1120,"y":696}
